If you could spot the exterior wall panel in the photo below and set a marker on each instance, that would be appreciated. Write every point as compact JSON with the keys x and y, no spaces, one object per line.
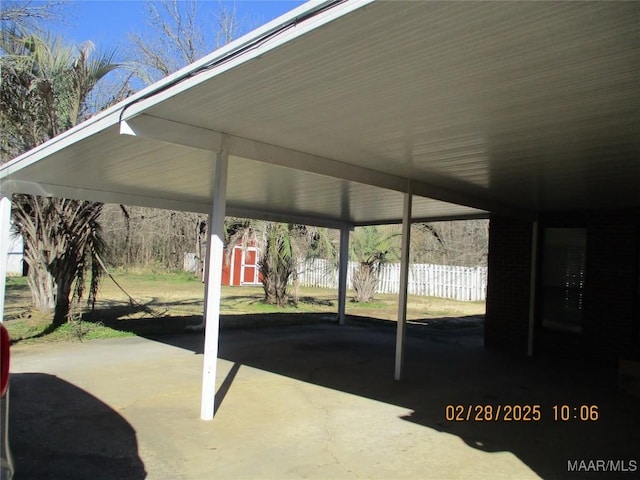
{"x":611,"y":324}
{"x":508,"y":284}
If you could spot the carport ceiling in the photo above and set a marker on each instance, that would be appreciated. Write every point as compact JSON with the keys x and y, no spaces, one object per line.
{"x":515,"y":108}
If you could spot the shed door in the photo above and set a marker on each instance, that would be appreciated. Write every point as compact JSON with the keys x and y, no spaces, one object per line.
{"x":250,"y":266}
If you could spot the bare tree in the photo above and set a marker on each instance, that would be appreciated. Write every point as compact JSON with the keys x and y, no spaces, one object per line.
{"x":152,"y":238}
{"x":27,"y":16}
{"x":462,"y":242}
{"x":180,"y":32}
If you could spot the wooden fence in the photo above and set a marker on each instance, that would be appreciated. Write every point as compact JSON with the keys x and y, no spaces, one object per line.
{"x":457,"y":283}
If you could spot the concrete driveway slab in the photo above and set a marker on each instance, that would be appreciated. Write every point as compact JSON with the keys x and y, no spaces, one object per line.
{"x":316,"y":401}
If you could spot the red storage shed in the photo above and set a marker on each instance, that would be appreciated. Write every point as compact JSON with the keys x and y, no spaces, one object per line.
{"x":241,"y":268}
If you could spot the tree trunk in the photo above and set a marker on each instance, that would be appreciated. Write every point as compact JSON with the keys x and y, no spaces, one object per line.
{"x":274,"y":284}
{"x":296,"y":288}
{"x":39,"y":249}
{"x":42,"y":287}
{"x":365,"y":282}
{"x":60,"y":237}
{"x":268,"y":285}
{"x":281,"y":291}
{"x":61,"y":315}
{"x":66,"y":268}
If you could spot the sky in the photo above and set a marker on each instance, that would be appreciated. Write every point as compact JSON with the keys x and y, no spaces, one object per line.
{"x":108,"y":22}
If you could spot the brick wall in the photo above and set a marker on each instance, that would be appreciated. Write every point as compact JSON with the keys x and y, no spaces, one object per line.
{"x":508,"y":280}
{"x":611,"y":317}
{"x":611,"y":285}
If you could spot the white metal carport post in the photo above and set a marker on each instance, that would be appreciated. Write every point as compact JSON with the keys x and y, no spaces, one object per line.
{"x":404,"y":282}
{"x":214,"y":284}
{"x":5,"y":227}
{"x":342,"y":274}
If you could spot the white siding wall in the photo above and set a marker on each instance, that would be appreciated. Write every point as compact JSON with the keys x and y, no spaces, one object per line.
{"x":16,"y":254}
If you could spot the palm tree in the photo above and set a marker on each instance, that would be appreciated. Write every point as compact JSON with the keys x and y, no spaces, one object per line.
{"x":45,"y":86}
{"x":283,"y":247}
{"x":371,"y":247}
{"x":63,"y":242}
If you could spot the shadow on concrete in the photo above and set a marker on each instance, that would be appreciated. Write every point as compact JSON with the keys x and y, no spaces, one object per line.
{"x":115,"y":317}
{"x":448,"y":366}
{"x":71,"y":436}
{"x":224,"y":387}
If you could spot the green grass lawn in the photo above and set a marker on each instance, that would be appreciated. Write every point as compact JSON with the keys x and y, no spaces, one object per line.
{"x":165,"y":303}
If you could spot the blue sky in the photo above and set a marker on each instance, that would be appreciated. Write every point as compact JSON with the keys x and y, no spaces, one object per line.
{"x":107,"y":22}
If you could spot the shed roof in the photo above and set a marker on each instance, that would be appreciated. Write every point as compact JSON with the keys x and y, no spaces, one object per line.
{"x":330,"y":112}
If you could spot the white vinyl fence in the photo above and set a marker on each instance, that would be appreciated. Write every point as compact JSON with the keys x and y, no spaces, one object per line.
{"x":457,"y":283}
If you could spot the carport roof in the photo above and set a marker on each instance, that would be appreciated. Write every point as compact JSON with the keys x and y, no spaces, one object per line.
{"x":331,"y":112}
